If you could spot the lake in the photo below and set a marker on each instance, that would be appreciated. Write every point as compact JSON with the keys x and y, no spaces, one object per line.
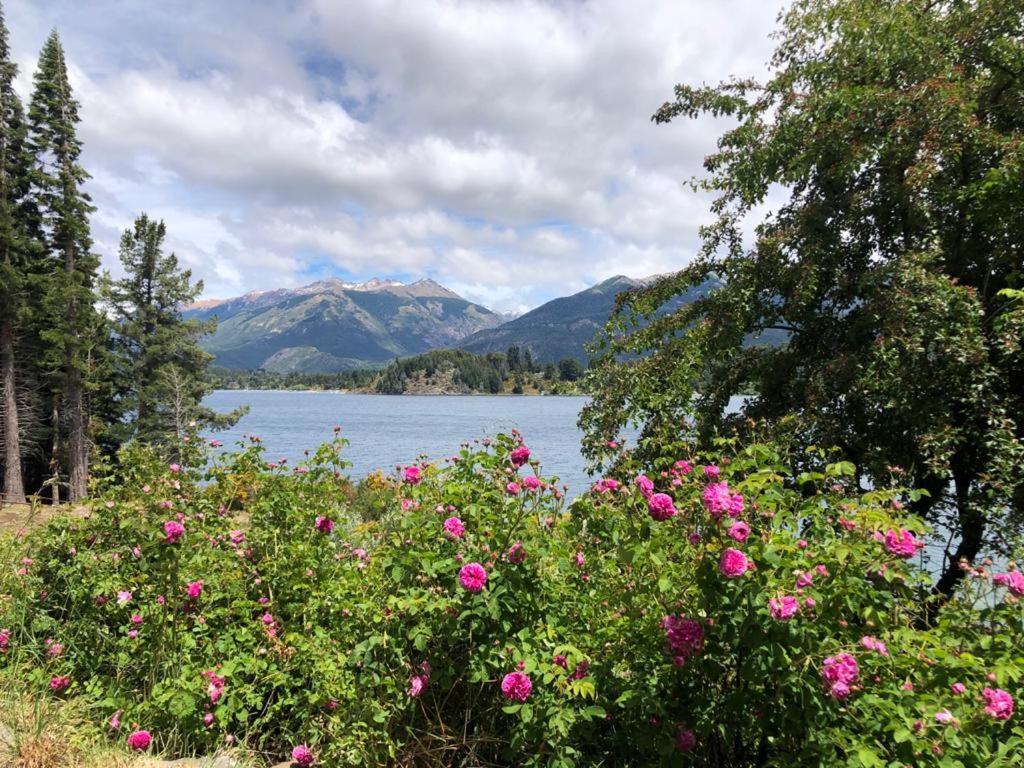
{"x":385,"y":430}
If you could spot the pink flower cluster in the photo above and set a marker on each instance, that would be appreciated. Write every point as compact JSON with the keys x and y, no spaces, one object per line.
{"x":214,"y":685}
{"x":324,"y":524}
{"x":685,"y":637}
{"x":839,"y":672}
{"x":998,"y":703}
{"x":1013,"y":581}
{"x":516,"y":686}
{"x":720,"y":500}
{"x":473,"y":577}
{"x":874,"y":644}
{"x":661,"y":507}
{"x":59,"y":682}
{"x":606,"y":485}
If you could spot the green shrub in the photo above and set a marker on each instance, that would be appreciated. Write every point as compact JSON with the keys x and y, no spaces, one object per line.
{"x":334,"y":615}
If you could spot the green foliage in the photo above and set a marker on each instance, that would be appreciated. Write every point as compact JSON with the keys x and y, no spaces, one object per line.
{"x":893,"y":133}
{"x":302,"y":634}
{"x":224,"y":378}
{"x":455,"y":370}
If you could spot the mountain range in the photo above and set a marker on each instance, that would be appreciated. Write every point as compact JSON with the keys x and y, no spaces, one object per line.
{"x":332,"y":325}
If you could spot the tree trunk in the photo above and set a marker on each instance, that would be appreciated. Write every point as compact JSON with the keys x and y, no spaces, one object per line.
{"x":78,"y":450}
{"x":14,"y":486}
{"x":972,"y":534}
{"x":55,"y":455}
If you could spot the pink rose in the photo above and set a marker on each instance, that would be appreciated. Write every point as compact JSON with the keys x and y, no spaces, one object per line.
{"x":783,"y":608}
{"x":519,"y":456}
{"x":453,"y":527}
{"x":194,"y":589}
{"x":411,"y":475}
{"x":473,"y":577}
{"x":417,"y":684}
{"x":902,"y":543}
{"x":733,"y":563}
{"x":645,"y":485}
{"x":303,"y":755}
{"x":139,"y":740}
{"x":516,"y":553}
{"x":531,"y":482}
{"x":686,"y":740}
{"x":173,"y":530}
{"x":324,"y":524}
{"x":516,"y":686}
{"x":739,"y":531}
{"x":661,"y":507}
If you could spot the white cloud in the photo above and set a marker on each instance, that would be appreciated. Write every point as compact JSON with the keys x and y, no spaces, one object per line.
{"x":504,"y":148}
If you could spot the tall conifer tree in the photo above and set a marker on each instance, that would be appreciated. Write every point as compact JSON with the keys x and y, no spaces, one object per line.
{"x":16,"y":249}
{"x":157,"y":357}
{"x":68,"y":295}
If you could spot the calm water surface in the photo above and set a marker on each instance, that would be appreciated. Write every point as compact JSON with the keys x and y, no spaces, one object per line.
{"x":387,"y":430}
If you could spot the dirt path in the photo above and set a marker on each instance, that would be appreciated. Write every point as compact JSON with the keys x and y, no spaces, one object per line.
{"x":22,"y":517}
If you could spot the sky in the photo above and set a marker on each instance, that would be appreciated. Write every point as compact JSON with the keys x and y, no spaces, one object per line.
{"x":504,"y":149}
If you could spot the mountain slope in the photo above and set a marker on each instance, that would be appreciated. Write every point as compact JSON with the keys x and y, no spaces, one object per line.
{"x":332,"y":326}
{"x":564,"y":326}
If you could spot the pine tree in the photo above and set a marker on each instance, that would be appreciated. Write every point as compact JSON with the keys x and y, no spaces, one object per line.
{"x":16,"y":250}
{"x":157,"y":356}
{"x":70,"y":321}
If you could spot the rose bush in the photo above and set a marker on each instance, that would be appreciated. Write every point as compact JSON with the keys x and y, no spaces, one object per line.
{"x":709,"y":611}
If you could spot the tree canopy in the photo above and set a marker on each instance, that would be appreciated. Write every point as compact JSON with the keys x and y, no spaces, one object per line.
{"x":887,"y":143}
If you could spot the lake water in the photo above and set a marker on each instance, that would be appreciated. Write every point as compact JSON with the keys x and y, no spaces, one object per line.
{"x":387,"y":430}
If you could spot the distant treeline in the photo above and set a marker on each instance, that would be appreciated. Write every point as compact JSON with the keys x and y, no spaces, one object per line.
{"x":225,"y":378}
{"x":442,"y":370}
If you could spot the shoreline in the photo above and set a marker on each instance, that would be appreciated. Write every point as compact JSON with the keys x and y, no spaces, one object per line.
{"x":403,"y":394}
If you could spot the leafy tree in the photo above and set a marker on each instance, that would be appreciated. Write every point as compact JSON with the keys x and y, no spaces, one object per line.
{"x":894,"y":132}
{"x":157,"y":356}
{"x":569,"y":369}
{"x":515,"y":358}
{"x":16,"y":253}
{"x":71,"y":327}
